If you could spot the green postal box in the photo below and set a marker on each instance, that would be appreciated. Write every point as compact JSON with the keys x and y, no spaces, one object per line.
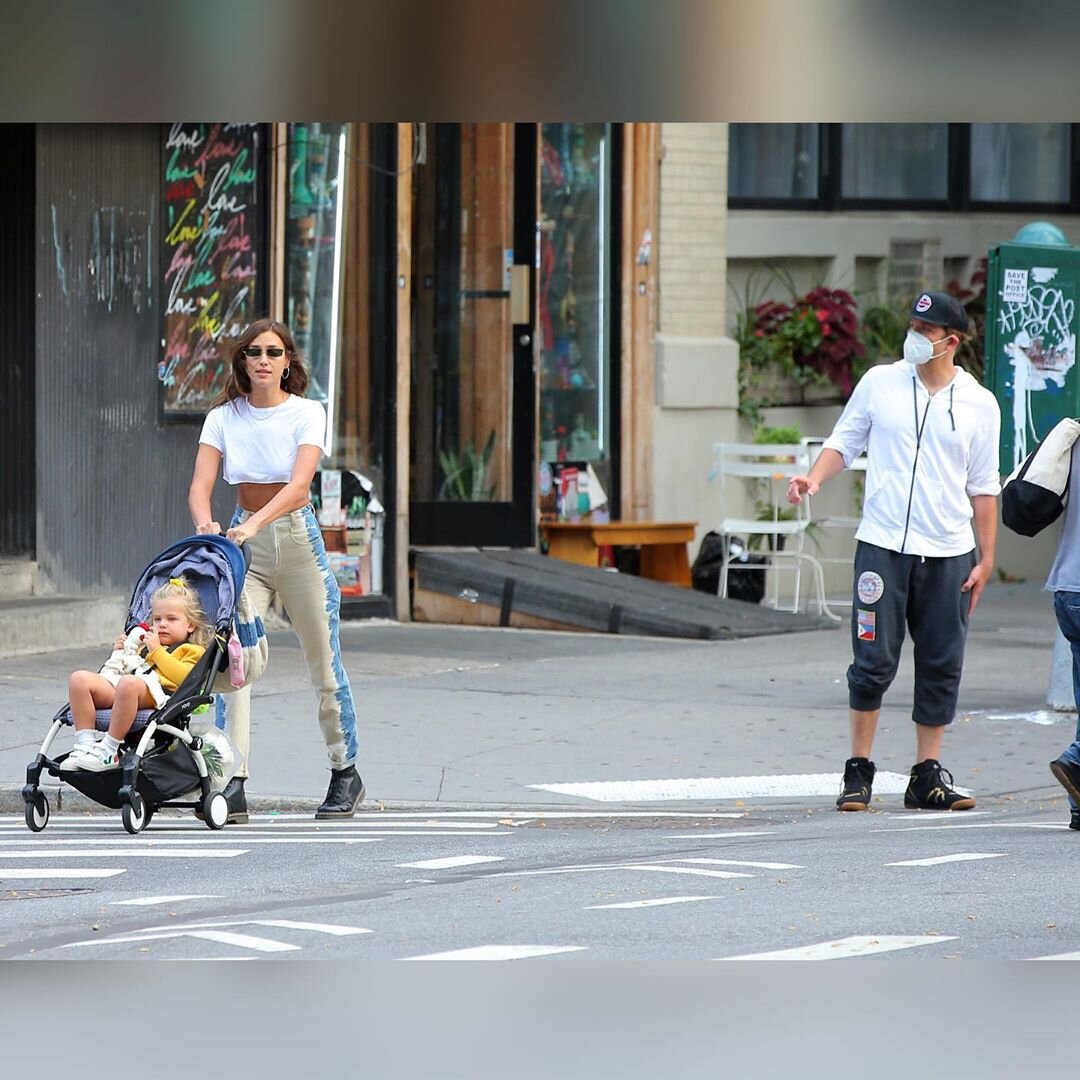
{"x":1031,"y":325}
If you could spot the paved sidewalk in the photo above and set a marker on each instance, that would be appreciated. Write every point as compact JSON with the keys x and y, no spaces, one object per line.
{"x":470,"y":716}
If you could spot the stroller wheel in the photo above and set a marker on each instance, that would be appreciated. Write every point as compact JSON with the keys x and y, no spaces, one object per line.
{"x":136,"y":816}
{"x":215,"y":810}
{"x":37,"y":812}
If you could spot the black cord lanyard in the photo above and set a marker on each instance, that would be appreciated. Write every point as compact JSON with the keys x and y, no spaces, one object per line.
{"x":918,"y":443}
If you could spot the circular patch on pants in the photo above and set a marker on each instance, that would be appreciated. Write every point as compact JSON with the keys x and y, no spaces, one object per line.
{"x":870,"y":587}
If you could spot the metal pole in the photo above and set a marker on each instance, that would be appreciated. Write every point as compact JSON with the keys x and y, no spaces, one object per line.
{"x":1060,"y":695}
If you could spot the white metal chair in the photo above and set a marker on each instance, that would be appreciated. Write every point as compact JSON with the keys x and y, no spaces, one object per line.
{"x":846,"y":522}
{"x":771,"y":465}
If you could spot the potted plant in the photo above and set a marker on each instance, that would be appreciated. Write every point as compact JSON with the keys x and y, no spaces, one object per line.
{"x":465,"y":473}
{"x":807,"y":341}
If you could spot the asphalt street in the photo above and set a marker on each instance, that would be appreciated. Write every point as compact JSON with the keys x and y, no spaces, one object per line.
{"x":551,"y":885}
{"x":559,"y":798}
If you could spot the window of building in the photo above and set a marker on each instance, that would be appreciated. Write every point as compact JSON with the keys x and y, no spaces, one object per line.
{"x":903,"y":162}
{"x":883,"y":166}
{"x":774,"y":161}
{"x":1020,"y":163}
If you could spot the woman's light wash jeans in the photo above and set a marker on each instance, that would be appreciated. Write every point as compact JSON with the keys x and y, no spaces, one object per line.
{"x":289,"y":560}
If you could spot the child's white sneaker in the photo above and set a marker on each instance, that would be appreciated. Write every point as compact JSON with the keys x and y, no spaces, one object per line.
{"x":72,"y":761}
{"x":97,"y":758}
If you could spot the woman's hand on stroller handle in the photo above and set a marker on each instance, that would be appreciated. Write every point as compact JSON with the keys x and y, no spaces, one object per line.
{"x":241,"y":534}
{"x":211,"y":528}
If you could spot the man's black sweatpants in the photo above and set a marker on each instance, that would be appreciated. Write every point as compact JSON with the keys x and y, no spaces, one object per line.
{"x":894,"y":591}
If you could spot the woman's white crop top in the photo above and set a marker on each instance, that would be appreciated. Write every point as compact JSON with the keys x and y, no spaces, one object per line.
{"x":258,"y":446}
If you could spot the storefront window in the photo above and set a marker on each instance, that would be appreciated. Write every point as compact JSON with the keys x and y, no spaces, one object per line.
{"x":575,"y":213}
{"x":331,"y":200}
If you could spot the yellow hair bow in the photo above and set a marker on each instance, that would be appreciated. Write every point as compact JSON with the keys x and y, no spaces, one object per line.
{"x":180,"y":583}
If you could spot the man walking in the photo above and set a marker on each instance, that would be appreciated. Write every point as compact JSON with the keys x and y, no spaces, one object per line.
{"x":931,"y":436}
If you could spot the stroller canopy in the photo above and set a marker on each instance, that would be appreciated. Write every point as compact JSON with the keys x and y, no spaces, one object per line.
{"x":213,"y":566}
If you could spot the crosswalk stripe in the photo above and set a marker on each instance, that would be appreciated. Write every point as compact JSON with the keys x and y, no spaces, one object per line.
{"x":332,"y":929}
{"x":499,"y":952}
{"x":207,"y":838}
{"x":123,"y":853}
{"x":658,"y":902}
{"x":243,"y":941}
{"x":688,"y":870}
{"x":602,"y":867}
{"x":740,"y":862}
{"x":300,"y":820}
{"x":315,"y":928}
{"x":863,"y":945}
{"x":24,"y":873}
{"x":198,"y":833}
{"x":450,"y":862}
{"x":149,"y":901}
{"x":980,"y":824}
{"x":798,"y":786}
{"x":1059,"y":956}
{"x":937,"y":860}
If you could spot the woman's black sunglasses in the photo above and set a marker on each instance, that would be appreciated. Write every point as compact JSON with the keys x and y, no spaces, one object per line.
{"x":255,"y":351}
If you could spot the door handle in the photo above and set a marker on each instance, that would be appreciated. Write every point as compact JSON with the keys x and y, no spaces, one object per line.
{"x":525,"y":339}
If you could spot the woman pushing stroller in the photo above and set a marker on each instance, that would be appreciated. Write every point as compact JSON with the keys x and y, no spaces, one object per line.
{"x":171,"y":646}
{"x":267,"y":439}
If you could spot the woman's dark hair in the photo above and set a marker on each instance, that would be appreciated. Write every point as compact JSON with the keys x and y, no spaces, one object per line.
{"x":238,"y":383}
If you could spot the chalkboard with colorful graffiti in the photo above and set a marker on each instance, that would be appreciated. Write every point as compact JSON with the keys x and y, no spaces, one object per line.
{"x":212,"y":242}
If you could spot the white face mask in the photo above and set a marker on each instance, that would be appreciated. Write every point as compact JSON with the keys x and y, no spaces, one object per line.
{"x":919,"y":349}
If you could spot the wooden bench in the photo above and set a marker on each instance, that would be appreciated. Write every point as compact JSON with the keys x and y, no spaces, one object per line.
{"x":663,"y":545}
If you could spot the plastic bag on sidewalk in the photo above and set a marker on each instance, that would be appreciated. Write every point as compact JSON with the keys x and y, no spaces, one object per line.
{"x":743,"y":584}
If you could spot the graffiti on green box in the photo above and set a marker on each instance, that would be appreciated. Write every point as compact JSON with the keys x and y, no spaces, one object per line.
{"x":1038,"y":340}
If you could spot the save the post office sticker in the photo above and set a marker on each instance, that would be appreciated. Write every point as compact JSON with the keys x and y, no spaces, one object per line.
{"x":870,"y":587}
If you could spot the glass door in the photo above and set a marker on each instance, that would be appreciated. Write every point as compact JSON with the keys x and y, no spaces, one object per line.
{"x":473,"y":377}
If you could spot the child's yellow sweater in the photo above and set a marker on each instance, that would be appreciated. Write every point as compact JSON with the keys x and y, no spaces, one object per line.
{"x":174,"y":667}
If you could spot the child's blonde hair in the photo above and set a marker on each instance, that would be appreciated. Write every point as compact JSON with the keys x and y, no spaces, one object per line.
{"x":177,"y":588}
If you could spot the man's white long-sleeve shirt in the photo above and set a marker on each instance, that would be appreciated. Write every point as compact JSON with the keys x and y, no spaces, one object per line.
{"x":919,"y":486}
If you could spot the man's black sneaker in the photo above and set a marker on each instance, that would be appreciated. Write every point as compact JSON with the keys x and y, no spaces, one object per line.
{"x":345,"y":793}
{"x":858,"y":784}
{"x":1074,"y":820}
{"x":236,"y":801}
{"x":930,"y":788}
{"x":1068,"y":776}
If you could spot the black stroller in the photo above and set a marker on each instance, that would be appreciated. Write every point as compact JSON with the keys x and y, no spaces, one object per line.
{"x":162,"y":759}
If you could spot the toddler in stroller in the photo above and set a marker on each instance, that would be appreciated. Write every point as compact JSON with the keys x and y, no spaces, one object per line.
{"x":148,"y":756}
{"x":142,"y":679}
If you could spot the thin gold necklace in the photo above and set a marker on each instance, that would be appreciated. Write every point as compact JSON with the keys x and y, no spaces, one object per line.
{"x":254,"y":410}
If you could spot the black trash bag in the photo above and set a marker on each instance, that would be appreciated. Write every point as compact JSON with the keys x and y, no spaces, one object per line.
{"x":743,"y":584}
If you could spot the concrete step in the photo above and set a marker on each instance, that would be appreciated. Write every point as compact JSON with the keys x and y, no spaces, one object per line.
{"x":35,"y":624}
{"x":18,"y":577}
